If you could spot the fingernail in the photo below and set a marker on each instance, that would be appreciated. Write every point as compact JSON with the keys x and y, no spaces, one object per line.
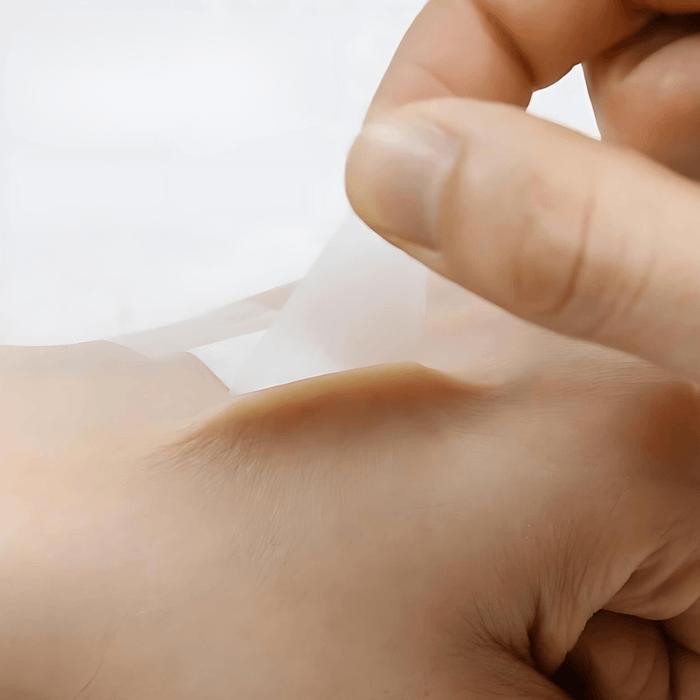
{"x":396,"y":176}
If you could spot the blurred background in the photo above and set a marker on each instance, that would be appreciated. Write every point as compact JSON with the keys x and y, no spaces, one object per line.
{"x":162,"y":158}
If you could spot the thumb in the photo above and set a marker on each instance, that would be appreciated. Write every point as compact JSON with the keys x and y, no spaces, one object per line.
{"x":586,"y":239}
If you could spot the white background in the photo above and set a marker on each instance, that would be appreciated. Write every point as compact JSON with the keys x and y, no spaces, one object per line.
{"x":162,"y":158}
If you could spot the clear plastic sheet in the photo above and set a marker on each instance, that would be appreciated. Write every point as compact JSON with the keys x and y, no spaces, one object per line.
{"x":361,"y":304}
{"x":364,"y":303}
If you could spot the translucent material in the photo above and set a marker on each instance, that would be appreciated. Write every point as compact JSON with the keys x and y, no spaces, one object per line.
{"x":161,"y":158}
{"x":363,"y":303}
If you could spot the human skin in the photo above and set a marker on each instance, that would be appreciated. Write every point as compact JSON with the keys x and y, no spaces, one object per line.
{"x":589,"y":240}
{"x":395,"y":533}
{"x":392,"y":532}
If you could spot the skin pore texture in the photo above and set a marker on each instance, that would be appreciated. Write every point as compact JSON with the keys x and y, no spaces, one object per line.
{"x":394,"y":533}
{"x":593,"y":241}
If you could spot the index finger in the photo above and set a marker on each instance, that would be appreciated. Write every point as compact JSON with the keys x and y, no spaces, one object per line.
{"x":504,"y":50}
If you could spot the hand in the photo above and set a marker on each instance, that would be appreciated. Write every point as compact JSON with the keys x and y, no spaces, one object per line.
{"x":595,"y":242}
{"x":386,"y":533}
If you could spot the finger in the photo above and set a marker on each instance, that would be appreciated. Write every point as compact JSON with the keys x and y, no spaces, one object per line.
{"x":684,"y":629}
{"x":502,"y":50}
{"x":622,"y":658}
{"x":646,"y":95}
{"x":685,"y":674}
{"x":581,"y":238}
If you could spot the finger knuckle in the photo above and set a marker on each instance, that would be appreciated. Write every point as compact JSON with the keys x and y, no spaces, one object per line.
{"x":552,"y":246}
